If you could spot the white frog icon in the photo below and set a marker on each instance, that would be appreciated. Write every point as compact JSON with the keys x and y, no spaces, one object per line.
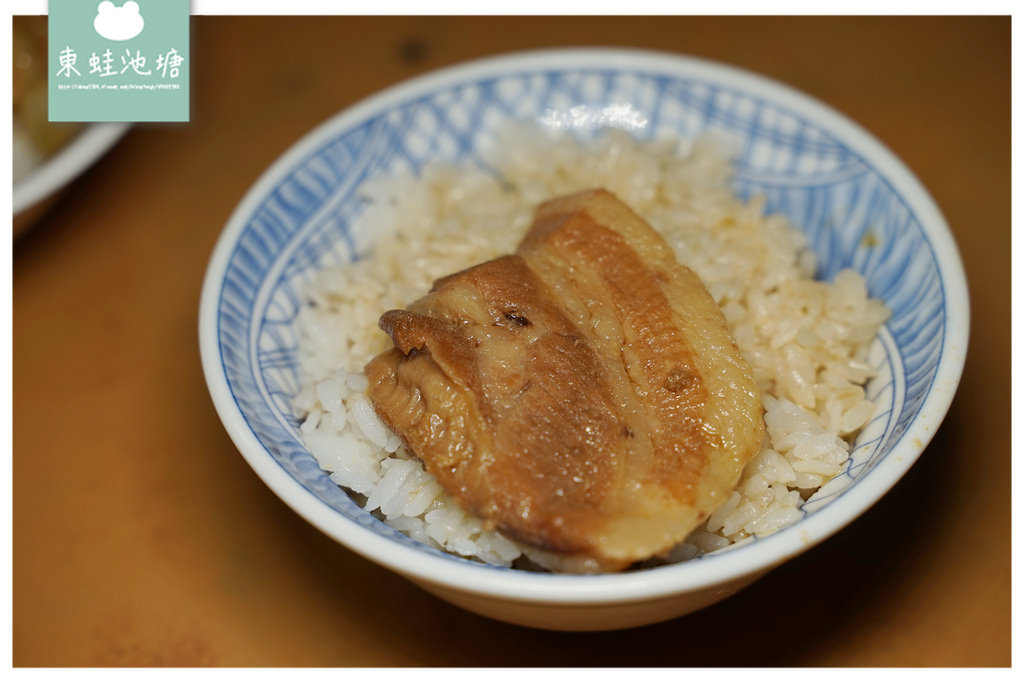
{"x":118,"y":23}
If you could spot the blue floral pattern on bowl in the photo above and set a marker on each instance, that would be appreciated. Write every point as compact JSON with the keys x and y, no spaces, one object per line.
{"x":849,"y":208}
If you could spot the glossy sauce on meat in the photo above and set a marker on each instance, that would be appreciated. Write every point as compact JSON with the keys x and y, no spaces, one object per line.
{"x":582,"y":395}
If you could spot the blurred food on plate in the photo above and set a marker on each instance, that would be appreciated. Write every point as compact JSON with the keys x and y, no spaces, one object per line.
{"x":35,"y":137}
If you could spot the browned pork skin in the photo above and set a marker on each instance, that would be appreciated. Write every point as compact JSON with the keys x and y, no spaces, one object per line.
{"x":583,"y":395}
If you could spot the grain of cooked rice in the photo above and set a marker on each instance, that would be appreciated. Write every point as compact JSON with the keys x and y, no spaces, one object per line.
{"x":806,"y":340}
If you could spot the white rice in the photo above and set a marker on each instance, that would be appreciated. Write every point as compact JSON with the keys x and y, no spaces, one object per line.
{"x":805,"y":340}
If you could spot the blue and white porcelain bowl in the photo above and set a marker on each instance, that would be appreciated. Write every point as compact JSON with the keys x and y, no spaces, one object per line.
{"x":820,"y":169}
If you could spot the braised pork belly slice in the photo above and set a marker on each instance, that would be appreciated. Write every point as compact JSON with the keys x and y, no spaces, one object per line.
{"x":582,"y":395}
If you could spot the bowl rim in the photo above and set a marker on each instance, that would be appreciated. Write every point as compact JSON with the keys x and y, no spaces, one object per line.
{"x":648,"y":584}
{"x":55,"y":172}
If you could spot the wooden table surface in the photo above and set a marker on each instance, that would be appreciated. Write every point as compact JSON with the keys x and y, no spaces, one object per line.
{"x":142,"y":538}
